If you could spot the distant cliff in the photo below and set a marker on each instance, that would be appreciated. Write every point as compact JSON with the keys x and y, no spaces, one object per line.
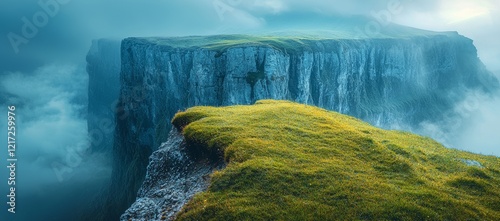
{"x":103,"y":68}
{"x":398,"y":80}
{"x":383,"y":81}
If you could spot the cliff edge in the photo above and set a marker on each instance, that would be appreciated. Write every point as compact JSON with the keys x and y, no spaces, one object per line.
{"x":390,"y":81}
{"x":289,"y":161}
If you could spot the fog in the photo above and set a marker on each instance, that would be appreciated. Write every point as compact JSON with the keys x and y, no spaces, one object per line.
{"x":470,"y":126}
{"x":45,"y":76}
{"x":52,"y":144}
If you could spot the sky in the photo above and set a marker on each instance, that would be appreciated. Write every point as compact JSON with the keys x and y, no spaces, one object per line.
{"x":77,"y":21}
{"x":43,"y":67}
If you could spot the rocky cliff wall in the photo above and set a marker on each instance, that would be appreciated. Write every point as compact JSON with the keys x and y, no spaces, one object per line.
{"x":383,"y":81}
{"x":388,"y":82}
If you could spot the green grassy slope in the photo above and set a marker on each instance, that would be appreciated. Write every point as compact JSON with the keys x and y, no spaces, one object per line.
{"x":291,"y":40}
{"x":289,"y":161}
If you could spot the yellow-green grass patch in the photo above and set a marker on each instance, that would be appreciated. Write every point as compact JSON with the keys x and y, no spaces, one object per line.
{"x":289,"y":161}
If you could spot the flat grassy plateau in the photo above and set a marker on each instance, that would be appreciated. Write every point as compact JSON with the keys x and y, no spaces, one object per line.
{"x":289,"y":161}
{"x":290,"y":41}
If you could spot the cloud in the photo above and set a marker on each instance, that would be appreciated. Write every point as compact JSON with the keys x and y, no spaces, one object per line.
{"x":470,"y":126}
{"x":51,"y":138}
{"x":77,"y":22}
{"x":464,"y":11}
{"x":480,"y":134}
{"x":477,"y":20}
{"x":48,"y":121}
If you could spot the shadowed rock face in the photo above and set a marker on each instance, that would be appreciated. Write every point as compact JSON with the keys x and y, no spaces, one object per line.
{"x":103,"y":68}
{"x":385,"y":81}
{"x":173,"y":176}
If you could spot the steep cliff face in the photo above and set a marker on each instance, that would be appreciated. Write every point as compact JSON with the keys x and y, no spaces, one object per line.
{"x":383,"y":81}
{"x":386,"y":81}
{"x":103,"y":68}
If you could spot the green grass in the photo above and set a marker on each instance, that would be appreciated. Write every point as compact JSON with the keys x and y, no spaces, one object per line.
{"x":221,"y":43}
{"x":289,"y":41}
{"x":289,"y":161}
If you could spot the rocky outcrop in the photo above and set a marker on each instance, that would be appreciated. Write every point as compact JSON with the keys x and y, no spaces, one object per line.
{"x":173,"y":176}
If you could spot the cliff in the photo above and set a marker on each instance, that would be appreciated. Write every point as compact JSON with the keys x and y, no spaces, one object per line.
{"x":289,"y":161}
{"x":103,"y":68}
{"x":399,"y":80}
{"x":384,"y":81}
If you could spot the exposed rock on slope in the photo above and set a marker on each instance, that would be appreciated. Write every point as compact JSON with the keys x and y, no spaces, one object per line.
{"x":174,"y":175}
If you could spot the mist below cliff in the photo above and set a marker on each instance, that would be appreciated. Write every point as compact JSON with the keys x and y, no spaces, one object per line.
{"x":54,"y":164}
{"x":471,"y":126}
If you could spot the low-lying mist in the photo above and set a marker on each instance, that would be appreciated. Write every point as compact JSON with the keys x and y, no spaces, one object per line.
{"x":57,"y":176}
{"x":472,"y":125}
